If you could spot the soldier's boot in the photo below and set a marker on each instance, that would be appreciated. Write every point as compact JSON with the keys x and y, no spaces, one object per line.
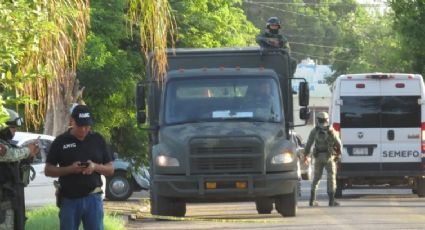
{"x":332,"y":201}
{"x":313,"y":202}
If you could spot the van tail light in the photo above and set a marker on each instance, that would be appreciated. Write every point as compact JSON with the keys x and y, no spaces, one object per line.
{"x":360,"y":86}
{"x":337,"y":128}
{"x":399,"y":85}
{"x":423,"y":139}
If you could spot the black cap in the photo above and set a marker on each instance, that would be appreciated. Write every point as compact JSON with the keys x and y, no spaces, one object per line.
{"x":82,"y":115}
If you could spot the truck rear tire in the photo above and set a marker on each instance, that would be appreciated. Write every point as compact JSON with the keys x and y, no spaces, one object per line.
{"x":164,"y":206}
{"x":420,"y":189}
{"x":264,"y":205}
{"x":286,"y":204}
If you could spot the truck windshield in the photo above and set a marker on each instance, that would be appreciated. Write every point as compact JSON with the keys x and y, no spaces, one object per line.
{"x":190,"y":100}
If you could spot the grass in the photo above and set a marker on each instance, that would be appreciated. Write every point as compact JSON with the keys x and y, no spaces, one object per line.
{"x":47,"y":218}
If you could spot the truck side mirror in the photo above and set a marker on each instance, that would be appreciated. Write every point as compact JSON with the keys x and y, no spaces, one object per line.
{"x":303,"y":94}
{"x":305,"y":113}
{"x":140,"y":103}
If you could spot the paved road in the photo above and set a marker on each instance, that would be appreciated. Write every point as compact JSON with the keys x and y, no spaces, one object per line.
{"x":377,"y":208}
{"x":361,"y":209}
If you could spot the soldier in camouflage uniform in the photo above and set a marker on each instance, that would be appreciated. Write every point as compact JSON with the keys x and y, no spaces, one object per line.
{"x":8,"y":154}
{"x":272,"y":38}
{"x":326,"y":143}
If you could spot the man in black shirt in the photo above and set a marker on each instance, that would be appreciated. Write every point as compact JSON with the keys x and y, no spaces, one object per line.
{"x":78,"y":157}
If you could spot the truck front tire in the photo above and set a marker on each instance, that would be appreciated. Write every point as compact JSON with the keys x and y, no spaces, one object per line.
{"x":286,"y":204}
{"x":264,"y":205}
{"x":164,"y":206}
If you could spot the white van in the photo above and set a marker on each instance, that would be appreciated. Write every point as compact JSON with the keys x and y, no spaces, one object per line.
{"x":381,"y":120}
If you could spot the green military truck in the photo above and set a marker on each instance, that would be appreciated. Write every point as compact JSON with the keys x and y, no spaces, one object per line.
{"x":219,"y":125}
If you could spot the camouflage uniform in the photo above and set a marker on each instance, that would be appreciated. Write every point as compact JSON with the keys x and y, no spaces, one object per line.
{"x":326,"y":142}
{"x":272,"y":40}
{"x":8,"y":154}
{"x":10,"y":158}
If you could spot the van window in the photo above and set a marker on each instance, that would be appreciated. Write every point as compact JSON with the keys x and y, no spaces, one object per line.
{"x":360,"y":112}
{"x":380,"y":112}
{"x":400,"y":111}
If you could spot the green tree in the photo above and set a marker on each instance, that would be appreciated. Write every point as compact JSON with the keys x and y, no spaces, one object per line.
{"x":371,"y":45}
{"x":40,"y":43}
{"x":109,"y":70}
{"x":207,"y":24}
{"x":409,"y":22}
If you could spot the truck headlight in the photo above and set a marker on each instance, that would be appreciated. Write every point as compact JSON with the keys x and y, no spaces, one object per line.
{"x":283,"y":158}
{"x":167,"y":161}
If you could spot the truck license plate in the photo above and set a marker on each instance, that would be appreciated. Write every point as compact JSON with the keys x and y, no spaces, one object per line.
{"x":360,"y":151}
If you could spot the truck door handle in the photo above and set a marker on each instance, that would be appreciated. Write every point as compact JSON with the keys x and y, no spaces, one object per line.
{"x":390,"y":135}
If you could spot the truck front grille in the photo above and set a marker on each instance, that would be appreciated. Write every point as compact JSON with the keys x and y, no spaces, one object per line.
{"x":226,"y":155}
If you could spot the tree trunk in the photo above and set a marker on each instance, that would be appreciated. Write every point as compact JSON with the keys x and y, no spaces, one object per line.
{"x":62,"y":93}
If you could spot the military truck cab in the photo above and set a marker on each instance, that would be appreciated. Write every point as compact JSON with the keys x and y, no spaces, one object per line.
{"x":219,"y":126}
{"x":381,"y":121}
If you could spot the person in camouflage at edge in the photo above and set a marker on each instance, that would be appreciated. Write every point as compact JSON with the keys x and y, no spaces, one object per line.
{"x":326,"y":146}
{"x":271,"y":38}
{"x":9,"y":153}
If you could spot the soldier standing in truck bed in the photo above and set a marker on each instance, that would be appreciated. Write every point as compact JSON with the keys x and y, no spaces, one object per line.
{"x":271,"y":38}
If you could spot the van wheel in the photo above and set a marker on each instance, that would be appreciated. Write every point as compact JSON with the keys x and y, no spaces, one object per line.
{"x":119,"y":187}
{"x":286,"y":204}
{"x":339,"y":187}
{"x":420,"y":187}
{"x":264,"y":205}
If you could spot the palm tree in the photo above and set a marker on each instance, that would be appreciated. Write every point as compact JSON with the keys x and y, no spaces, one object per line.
{"x":156,"y":24}
{"x":60,"y":46}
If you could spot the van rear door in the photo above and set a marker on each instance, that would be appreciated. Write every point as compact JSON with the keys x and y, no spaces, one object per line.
{"x":401,"y":124}
{"x":360,"y":125}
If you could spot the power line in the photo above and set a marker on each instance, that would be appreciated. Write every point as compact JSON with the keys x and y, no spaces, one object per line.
{"x":322,"y":46}
{"x":278,"y":9}
{"x":322,"y":58}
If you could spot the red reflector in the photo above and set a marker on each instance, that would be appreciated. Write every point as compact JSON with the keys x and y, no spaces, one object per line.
{"x":336,"y":126}
{"x":399,"y":85}
{"x":360,"y":86}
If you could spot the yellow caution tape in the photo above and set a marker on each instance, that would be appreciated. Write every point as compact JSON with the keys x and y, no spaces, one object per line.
{"x":219,"y":220}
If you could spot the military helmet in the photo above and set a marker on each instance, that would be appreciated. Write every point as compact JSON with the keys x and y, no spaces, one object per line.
{"x":273,"y":21}
{"x":14,"y":119}
{"x":322,"y":117}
